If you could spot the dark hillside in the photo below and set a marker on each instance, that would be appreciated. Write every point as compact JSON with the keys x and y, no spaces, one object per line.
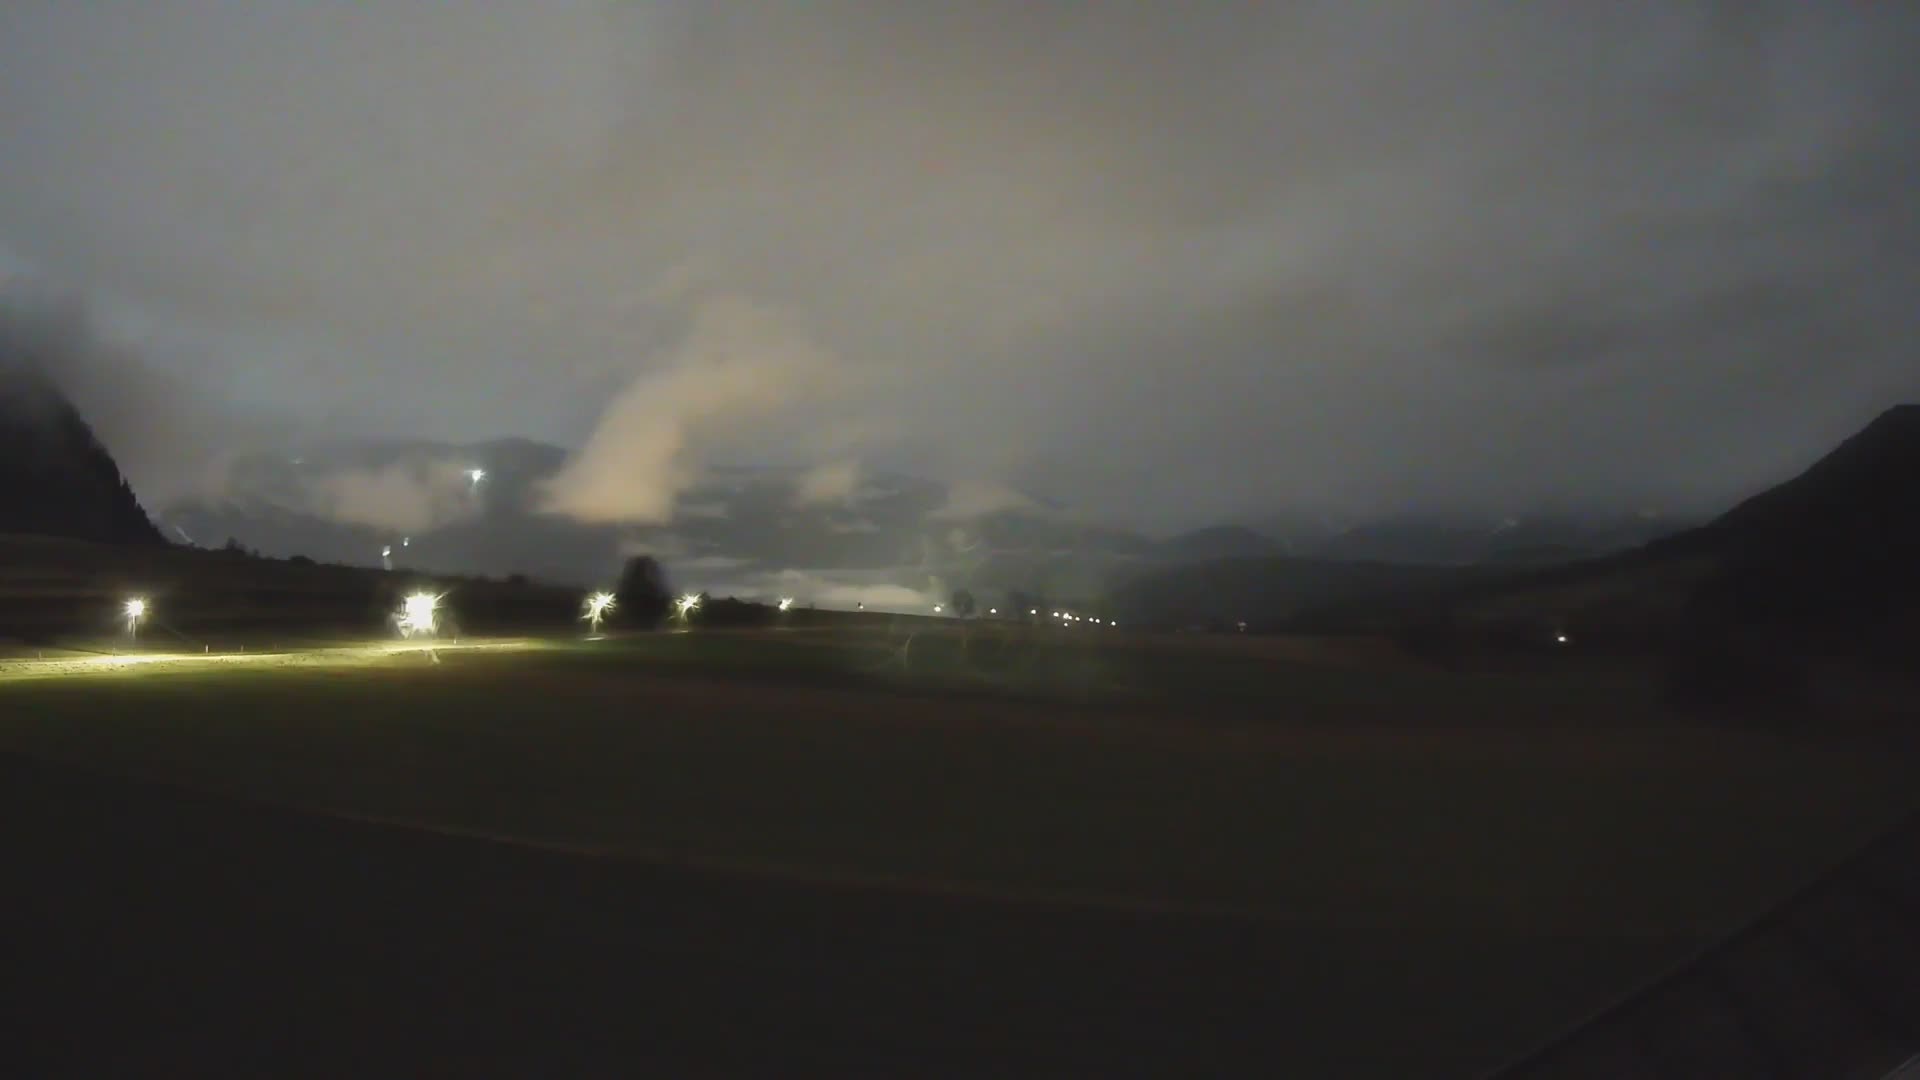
{"x":1833,"y":553}
{"x":1838,"y":545}
{"x":56,"y":479}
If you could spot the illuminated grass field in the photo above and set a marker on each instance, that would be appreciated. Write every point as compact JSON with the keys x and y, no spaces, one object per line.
{"x":1309,"y":791}
{"x":1513,"y":820}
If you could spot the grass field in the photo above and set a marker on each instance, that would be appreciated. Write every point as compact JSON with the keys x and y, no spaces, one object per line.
{"x":1465,"y":825}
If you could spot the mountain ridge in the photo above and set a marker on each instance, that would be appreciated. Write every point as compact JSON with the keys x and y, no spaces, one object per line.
{"x":56,"y":477}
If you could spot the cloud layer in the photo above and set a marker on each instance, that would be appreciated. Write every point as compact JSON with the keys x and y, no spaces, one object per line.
{"x":834,"y":483}
{"x":737,"y":364}
{"x":1170,"y":263}
{"x":403,"y":498}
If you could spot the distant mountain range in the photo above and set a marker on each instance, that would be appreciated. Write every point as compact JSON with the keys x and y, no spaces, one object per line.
{"x":1832,"y":547}
{"x":894,"y":542}
{"x":1831,"y":552}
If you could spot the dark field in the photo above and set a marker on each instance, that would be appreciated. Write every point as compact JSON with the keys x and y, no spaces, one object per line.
{"x":1009,"y":853}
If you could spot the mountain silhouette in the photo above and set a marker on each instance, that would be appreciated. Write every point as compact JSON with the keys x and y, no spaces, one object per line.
{"x":56,"y":479}
{"x":1861,"y":491}
{"x":1839,"y":542}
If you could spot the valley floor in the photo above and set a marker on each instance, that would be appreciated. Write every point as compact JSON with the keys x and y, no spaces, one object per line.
{"x":777,"y":854}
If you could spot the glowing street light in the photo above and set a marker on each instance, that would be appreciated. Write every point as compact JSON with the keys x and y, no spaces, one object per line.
{"x":937,"y":609}
{"x":418,"y":614}
{"x":135,"y":610}
{"x":786,"y":603}
{"x":598,"y":605}
{"x":687,"y":605}
{"x":993,"y":611}
{"x":476,"y":475}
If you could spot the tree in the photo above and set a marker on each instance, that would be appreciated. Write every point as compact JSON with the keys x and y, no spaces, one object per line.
{"x":642,"y":598}
{"x":963,"y":603}
{"x":1016,"y":604}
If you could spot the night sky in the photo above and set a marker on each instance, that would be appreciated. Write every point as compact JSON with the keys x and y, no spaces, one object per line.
{"x":1172,"y":263}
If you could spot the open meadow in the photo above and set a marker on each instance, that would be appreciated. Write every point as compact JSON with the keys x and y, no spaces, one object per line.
{"x":1466,"y":861}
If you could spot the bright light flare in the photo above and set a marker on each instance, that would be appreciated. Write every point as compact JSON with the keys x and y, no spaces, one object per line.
{"x":598,"y":605}
{"x":135,"y":608}
{"x":687,"y":604}
{"x":418,"y":614}
{"x":476,"y":475}
{"x":786,"y":603}
{"x":938,"y":608}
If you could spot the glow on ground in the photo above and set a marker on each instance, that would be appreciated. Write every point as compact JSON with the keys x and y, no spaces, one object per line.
{"x":364,"y":654}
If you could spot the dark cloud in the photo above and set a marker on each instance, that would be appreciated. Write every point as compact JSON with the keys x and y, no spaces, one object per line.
{"x":1170,"y":263}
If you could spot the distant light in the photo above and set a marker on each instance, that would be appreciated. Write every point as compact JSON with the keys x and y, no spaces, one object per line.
{"x":936,"y":609}
{"x":476,"y":475}
{"x":993,"y":611}
{"x":387,"y":552}
{"x":687,"y":604}
{"x":786,"y":603}
{"x":418,"y":614}
{"x":1033,"y":611}
{"x":598,"y":604}
{"x":1055,"y":614}
{"x":1561,"y":638}
{"x":405,"y":540}
{"x":135,"y":609}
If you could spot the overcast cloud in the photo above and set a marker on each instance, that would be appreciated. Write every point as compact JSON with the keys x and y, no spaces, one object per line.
{"x":1168,"y":262}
